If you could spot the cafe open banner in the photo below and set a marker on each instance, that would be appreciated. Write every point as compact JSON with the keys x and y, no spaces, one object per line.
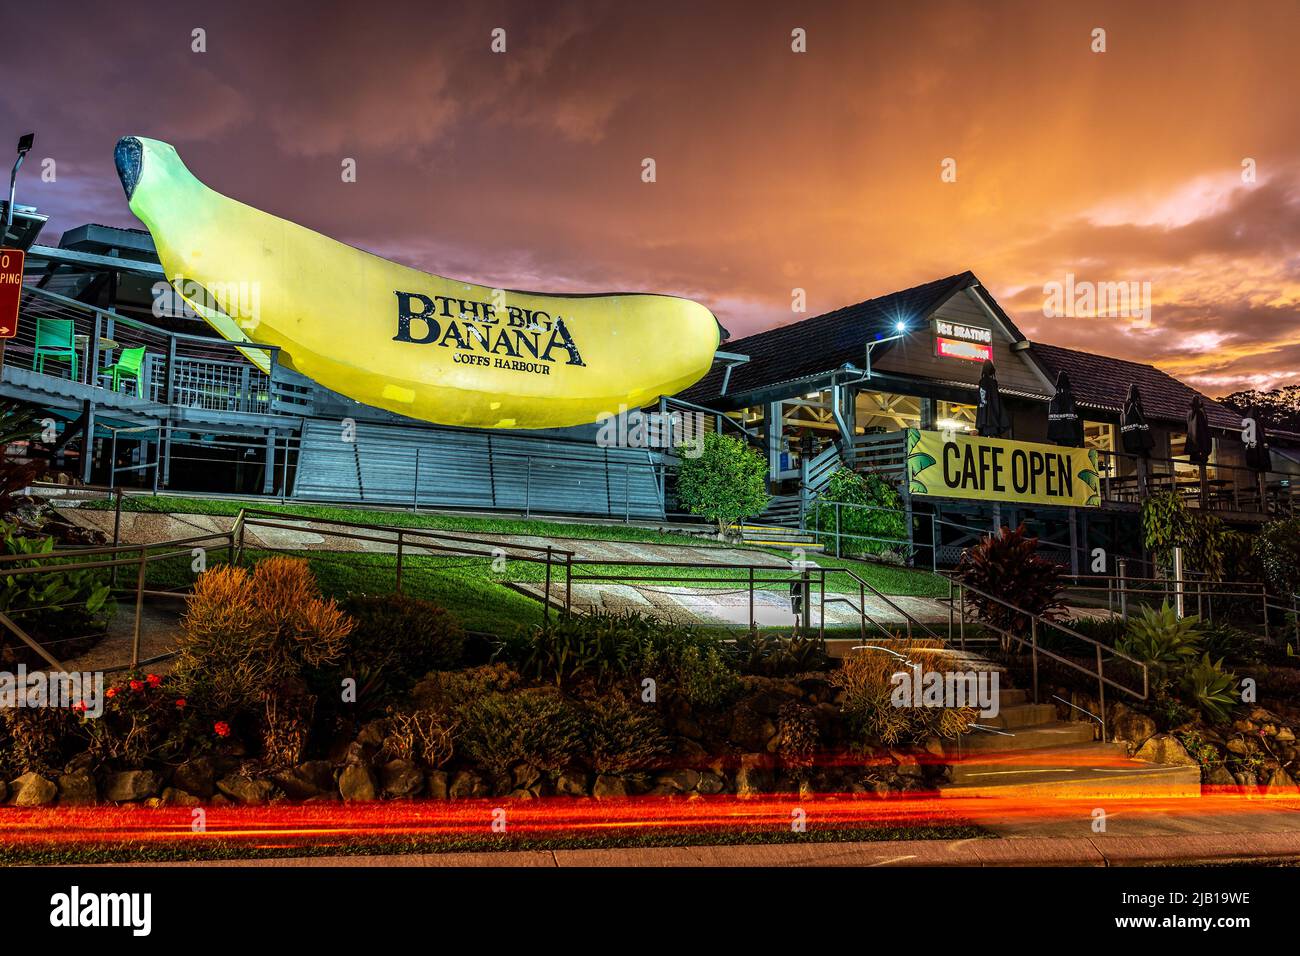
{"x":994,"y":469}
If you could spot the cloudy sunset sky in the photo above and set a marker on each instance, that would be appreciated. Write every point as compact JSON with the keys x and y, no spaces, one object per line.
{"x":775,"y":170}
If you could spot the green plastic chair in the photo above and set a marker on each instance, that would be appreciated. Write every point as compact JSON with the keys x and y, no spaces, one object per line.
{"x":127,"y":366}
{"x":54,"y":340}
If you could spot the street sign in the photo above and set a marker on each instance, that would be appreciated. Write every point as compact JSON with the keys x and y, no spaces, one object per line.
{"x":11,"y":290}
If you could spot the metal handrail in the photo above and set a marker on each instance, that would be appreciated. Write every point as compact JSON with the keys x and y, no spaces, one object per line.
{"x":1037,"y":620}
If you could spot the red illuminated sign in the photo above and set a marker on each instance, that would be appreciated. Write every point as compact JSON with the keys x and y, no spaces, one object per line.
{"x":11,"y":290}
{"x":954,"y":348}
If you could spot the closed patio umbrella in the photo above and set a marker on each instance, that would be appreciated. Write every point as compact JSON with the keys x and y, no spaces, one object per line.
{"x":1134,"y":431}
{"x":991,"y":418}
{"x":1199,"y":443}
{"x":1064,"y":424}
{"x":1258,"y":456}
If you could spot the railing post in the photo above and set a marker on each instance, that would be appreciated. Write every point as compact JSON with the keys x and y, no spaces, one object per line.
{"x":528,"y":481}
{"x":139,"y":605}
{"x":399,"y":560}
{"x":1101,"y":694}
{"x":1033,"y":637}
{"x":546,"y":589}
{"x":117,"y":534}
{"x":952,"y":606}
{"x":862,"y":611}
{"x":1121,"y":571}
{"x":568,"y":584}
{"x":961,"y":618}
{"x":169,"y":382}
{"x":751,"y":599}
{"x":821,"y":608}
{"x":838,"y":552}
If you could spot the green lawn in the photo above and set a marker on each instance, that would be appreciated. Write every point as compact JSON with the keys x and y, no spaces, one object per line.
{"x":469,"y":588}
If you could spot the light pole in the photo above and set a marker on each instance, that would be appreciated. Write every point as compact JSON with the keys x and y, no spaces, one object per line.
{"x":24,"y":145}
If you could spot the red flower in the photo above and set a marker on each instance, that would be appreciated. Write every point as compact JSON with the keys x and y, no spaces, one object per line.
{"x":111,"y":692}
{"x":137,"y":686}
{"x":180,"y":702}
{"x":153,"y":680}
{"x":221,"y":728}
{"x":79,"y":706}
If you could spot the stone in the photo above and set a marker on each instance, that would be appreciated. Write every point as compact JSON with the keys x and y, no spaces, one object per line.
{"x":4,"y":791}
{"x":608,"y":786}
{"x":750,"y":730}
{"x":437,"y":785}
{"x":1218,"y":776}
{"x":571,"y":783}
{"x":357,"y":784}
{"x":1237,"y":746}
{"x":753,"y":776}
{"x":467,"y":785}
{"x":525,"y":777}
{"x":129,"y":785}
{"x":1165,"y":749}
{"x":679,"y":781}
{"x":247,"y":791}
{"x":522,"y":794}
{"x":33,"y":790}
{"x":319,"y":773}
{"x":300,"y":785}
{"x":401,"y":778}
{"x":171,"y":797}
{"x":198,"y":776}
{"x":1285,"y":734}
{"x":77,"y":789}
{"x":1281,"y":782}
{"x":906,"y":765}
{"x":1131,"y":726}
{"x":710,"y":783}
{"x":372,"y":734}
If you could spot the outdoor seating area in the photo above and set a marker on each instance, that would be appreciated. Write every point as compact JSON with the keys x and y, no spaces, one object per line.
{"x":58,"y":343}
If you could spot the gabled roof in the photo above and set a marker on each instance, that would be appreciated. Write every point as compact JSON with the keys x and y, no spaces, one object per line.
{"x":818,"y":345}
{"x":1102,"y":382}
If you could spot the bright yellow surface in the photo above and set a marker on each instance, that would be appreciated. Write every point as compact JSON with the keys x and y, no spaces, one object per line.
{"x":334,"y":312}
{"x":996,"y":469}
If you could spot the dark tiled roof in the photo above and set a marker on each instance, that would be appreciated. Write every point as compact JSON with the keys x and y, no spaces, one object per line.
{"x":822,"y":343}
{"x":1102,"y":382}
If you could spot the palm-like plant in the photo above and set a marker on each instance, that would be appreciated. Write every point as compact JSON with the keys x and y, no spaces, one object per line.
{"x":1211,"y":689}
{"x":1161,"y":638}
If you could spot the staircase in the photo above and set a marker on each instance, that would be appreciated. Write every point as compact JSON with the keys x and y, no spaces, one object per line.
{"x":780,"y":536}
{"x":1047,"y":757}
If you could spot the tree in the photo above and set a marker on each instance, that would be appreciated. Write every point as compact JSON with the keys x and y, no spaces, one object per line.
{"x":1281,"y":406}
{"x":726,"y":482}
{"x":877,"y":525}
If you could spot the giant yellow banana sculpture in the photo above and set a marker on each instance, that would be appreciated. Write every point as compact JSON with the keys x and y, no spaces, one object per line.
{"x":387,"y":335}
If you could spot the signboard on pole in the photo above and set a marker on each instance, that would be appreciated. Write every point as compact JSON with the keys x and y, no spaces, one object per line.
{"x":11,"y":290}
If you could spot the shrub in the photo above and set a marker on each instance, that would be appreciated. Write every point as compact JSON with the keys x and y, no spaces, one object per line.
{"x":244,"y":634}
{"x":598,"y":645}
{"x":424,"y":736}
{"x":1231,"y":643}
{"x":1168,"y":523}
{"x":868,"y":707}
{"x":1210,"y":689}
{"x":38,"y":738}
{"x":726,"y":483}
{"x":144,"y":718}
{"x":797,"y":738}
{"x":535,"y":726}
{"x":1006,"y":565}
{"x":397,"y":640}
{"x":772,"y":656}
{"x":1160,"y":637}
{"x":872,"y":510}
{"x":450,"y":692}
{"x":56,"y":605}
{"x":689,"y":662}
{"x":1277,"y":549}
{"x":622,"y":736}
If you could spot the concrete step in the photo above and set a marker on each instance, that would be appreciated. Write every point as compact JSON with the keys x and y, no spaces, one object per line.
{"x":977,"y":765}
{"x":1081,"y":771}
{"x":1058,"y":733}
{"x":791,"y":545}
{"x":1015,"y":716}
